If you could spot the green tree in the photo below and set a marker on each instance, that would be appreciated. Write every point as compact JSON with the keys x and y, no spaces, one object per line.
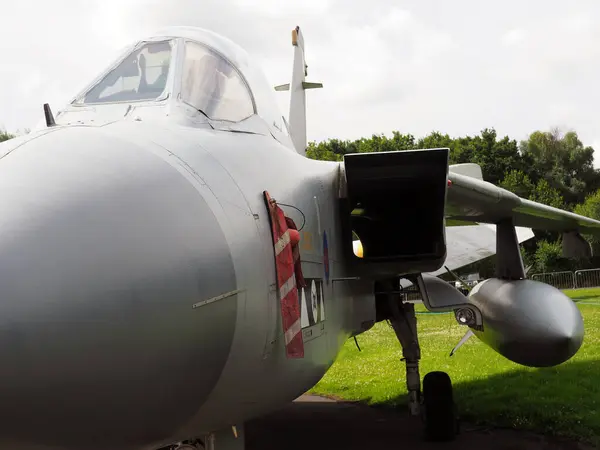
{"x":403,"y":141}
{"x":436,"y":140}
{"x":548,"y":257}
{"x":496,"y":157}
{"x":5,"y":136}
{"x":546,"y":194}
{"x":591,"y":208}
{"x":321,"y":152}
{"x":563,"y":161}
{"x":518,"y":182}
{"x":335,"y":149}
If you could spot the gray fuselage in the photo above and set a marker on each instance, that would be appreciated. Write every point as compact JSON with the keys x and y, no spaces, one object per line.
{"x":113,"y":237}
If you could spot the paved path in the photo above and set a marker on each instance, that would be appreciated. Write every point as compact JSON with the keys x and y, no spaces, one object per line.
{"x":314,"y":423}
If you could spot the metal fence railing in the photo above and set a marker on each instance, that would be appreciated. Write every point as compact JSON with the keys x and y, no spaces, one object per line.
{"x":560,"y":280}
{"x":587,"y":278}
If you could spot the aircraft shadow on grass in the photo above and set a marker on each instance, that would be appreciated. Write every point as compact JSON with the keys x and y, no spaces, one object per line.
{"x":562,"y":401}
{"x":585,"y":297}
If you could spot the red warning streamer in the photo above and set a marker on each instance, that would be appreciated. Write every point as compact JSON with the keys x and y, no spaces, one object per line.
{"x":286,"y":278}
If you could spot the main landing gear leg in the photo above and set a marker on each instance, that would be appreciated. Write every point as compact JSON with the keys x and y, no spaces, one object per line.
{"x":404,"y":322}
{"x":436,"y":405}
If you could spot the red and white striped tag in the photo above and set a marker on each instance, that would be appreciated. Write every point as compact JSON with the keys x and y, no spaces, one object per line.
{"x":286,"y":281}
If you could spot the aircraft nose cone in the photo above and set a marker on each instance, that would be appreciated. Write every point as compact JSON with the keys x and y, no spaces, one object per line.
{"x":104,"y":250}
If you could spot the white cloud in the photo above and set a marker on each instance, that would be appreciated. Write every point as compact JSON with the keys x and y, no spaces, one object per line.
{"x":456,"y":68}
{"x":578,"y":22}
{"x":514,"y":36}
{"x":277,"y":8}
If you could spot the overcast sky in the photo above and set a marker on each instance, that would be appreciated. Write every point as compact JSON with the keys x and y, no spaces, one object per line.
{"x":413,"y":66}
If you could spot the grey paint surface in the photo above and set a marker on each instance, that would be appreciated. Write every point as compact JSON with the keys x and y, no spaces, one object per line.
{"x":529,"y":322}
{"x":471,"y":243}
{"x":477,"y":200}
{"x":115,"y":223}
{"x":98,"y":282}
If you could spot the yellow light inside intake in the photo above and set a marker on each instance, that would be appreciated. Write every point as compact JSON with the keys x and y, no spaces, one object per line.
{"x":358,"y":248}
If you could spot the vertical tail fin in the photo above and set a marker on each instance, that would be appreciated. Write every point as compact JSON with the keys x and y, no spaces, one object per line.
{"x":297,"y":117}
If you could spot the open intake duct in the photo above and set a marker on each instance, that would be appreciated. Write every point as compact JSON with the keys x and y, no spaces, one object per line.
{"x":394,"y":203}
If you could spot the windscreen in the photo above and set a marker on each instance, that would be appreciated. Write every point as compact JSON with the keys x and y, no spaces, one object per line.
{"x":141,"y":76}
{"x":212,"y":85}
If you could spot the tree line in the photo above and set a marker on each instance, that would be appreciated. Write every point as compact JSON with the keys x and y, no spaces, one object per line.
{"x":4,"y":136}
{"x":549,"y":167}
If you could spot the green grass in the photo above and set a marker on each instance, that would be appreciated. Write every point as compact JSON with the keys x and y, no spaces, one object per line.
{"x":489,"y":389}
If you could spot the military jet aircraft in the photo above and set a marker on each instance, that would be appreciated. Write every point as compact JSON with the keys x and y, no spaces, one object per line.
{"x":173,"y":264}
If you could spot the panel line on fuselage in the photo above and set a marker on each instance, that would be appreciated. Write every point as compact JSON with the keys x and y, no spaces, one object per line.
{"x":217,"y":298}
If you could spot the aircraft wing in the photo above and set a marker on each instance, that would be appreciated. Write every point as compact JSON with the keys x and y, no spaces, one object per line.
{"x":471,"y":243}
{"x":472,"y":199}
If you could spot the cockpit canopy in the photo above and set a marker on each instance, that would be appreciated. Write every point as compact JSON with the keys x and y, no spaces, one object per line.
{"x":212,"y":85}
{"x":208,"y":82}
{"x":141,"y":76}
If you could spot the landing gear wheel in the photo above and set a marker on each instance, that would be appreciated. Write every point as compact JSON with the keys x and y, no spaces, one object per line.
{"x":439,"y":410}
{"x":436,"y":405}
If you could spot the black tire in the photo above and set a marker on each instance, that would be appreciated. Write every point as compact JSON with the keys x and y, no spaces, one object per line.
{"x":439,"y":410}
